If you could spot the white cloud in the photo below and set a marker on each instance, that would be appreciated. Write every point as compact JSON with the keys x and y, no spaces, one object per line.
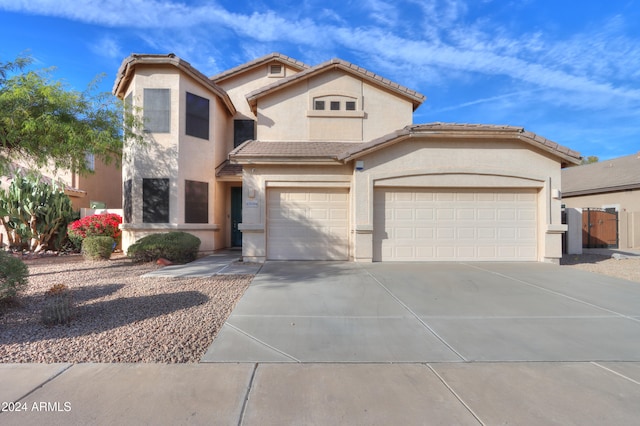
{"x":596,"y":65}
{"x":107,"y":47}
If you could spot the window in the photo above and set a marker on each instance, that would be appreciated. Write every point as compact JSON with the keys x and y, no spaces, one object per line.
{"x":90,"y":161}
{"x":127,"y":206}
{"x":243,"y":130}
{"x":338,"y":105}
{"x":157,"y":110}
{"x":155,"y":200}
{"x":197,"y":116}
{"x":196,"y":202}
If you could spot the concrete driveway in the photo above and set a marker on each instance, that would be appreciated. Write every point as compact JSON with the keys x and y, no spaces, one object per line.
{"x":430,"y":312}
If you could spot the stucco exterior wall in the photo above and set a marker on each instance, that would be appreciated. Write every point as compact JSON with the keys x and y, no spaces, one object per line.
{"x":627,"y":203}
{"x":178,"y":157}
{"x":288,"y":115}
{"x":428,"y":163}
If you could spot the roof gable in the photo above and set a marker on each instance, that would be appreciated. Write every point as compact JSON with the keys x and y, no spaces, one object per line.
{"x":455,"y":130}
{"x":127,"y":70}
{"x":248,"y":66}
{"x":617,"y":174}
{"x":343,"y":152}
{"x":416,"y":98}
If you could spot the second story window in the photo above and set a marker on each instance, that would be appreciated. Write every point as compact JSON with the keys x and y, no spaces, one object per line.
{"x":243,"y":130}
{"x":332,"y":104}
{"x":197,"y":118}
{"x":157,"y":110}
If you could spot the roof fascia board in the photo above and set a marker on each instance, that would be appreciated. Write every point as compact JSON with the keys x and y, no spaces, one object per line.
{"x":416,"y":98}
{"x":247,"y":66}
{"x":127,"y":69}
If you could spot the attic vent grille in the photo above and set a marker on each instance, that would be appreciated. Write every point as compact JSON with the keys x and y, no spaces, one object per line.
{"x":276,"y":70}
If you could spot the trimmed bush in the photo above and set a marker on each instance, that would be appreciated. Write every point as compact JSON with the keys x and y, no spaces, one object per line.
{"x":98,"y":248}
{"x":178,"y":247}
{"x":13,"y":275}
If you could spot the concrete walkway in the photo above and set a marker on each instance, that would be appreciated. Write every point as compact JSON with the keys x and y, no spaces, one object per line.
{"x":525,"y":344}
{"x":588,"y":393}
{"x":226,"y":262}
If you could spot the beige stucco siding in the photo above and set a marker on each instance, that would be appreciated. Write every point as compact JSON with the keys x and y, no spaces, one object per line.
{"x":424,"y":163}
{"x":177,"y":156}
{"x":289,"y":115}
{"x":627,"y":203}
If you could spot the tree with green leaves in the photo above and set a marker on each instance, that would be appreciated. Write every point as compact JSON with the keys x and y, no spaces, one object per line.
{"x":590,"y":159}
{"x":47,"y":124}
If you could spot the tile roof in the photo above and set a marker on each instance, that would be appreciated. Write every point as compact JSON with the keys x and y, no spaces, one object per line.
{"x":618,"y":174}
{"x":465,"y":130}
{"x":279,"y":150}
{"x":347,"y":151}
{"x":126,"y":71}
{"x":294,"y":63}
{"x":228,"y":169}
{"x":416,"y":98}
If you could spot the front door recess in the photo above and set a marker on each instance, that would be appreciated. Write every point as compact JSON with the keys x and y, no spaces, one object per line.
{"x":236,"y":216}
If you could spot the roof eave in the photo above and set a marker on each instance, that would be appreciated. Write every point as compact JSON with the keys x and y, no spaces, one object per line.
{"x":125,"y":75}
{"x":416,"y":98}
{"x":604,"y":190}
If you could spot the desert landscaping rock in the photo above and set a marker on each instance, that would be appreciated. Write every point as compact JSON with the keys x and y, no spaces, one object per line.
{"x":119,"y":316}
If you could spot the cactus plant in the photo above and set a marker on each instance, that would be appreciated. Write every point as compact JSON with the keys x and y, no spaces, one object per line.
{"x":33,"y":212}
{"x":58,"y":305}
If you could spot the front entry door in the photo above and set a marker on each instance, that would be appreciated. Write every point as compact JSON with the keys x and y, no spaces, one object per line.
{"x":236,"y":216}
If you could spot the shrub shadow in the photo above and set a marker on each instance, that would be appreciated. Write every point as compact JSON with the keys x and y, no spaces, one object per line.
{"x":103,"y":316}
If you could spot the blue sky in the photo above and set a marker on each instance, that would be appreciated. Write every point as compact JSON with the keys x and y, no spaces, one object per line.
{"x":568,"y":70}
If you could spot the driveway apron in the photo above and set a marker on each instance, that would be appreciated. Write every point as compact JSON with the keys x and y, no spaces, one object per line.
{"x":430,"y":312}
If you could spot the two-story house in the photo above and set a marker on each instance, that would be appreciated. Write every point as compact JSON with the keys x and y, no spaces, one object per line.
{"x":292,"y":161}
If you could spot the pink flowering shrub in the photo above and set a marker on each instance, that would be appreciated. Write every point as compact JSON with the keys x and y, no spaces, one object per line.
{"x":96,"y":225}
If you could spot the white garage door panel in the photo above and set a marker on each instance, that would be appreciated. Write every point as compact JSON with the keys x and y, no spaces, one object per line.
{"x":415,"y":224}
{"x":307,"y":224}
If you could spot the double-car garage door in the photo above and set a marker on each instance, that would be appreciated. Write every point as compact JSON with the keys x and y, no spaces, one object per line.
{"x":426,"y":224}
{"x":410,"y":224}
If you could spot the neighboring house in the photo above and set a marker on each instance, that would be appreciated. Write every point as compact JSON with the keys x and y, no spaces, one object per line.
{"x":608,"y":185}
{"x":292,"y":161}
{"x":102,"y":189}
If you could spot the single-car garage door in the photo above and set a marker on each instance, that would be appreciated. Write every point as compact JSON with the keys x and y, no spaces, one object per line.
{"x":307,"y":224}
{"x":426,"y":224}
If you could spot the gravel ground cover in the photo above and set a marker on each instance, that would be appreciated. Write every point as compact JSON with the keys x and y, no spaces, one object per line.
{"x":628,"y":269}
{"x":119,"y":316}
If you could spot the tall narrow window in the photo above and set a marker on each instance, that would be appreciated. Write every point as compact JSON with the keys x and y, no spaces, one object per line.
{"x":127,"y":205}
{"x":243,"y":130}
{"x":196,"y":202}
{"x":155,"y":200}
{"x":157,"y":110}
{"x":197,"y":120}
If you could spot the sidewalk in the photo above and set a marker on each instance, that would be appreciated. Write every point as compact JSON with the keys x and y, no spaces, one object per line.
{"x":586,"y":393}
{"x":226,"y":262}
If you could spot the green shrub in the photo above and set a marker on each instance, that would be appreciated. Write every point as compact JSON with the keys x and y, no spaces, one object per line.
{"x":178,"y":247}
{"x":58,"y":305}
{"x":13,"y":275}
{"x":98,"y":248}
